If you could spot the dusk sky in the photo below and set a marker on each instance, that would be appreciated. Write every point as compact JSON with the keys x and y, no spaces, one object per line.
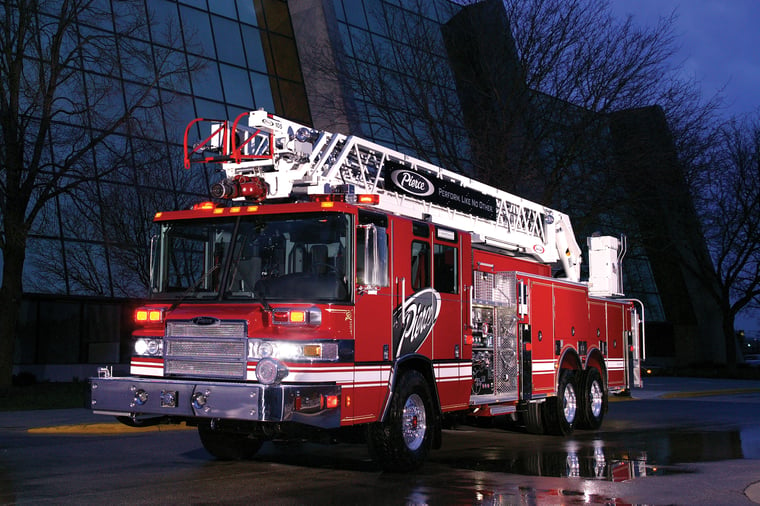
{"x":719,"y":42}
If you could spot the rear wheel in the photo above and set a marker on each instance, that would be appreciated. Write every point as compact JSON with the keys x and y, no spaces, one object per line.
{"x":226,"y":445}
{"x":403,"y":441}
{"x":560,"y":411}
{"x":593,"y":400}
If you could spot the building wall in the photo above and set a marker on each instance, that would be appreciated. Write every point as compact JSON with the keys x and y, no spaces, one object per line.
{"x":653,"y":204}
{"x":297,"y":59}
{"x":248,"y":59}
{"x":669,"y":232}
{"x":89,"y":250}
{"x":65,"y":338}
{"x":495,"y":99}
{"x":315,"y":27}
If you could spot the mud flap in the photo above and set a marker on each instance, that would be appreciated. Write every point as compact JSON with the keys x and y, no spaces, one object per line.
{"x":526,"y":360}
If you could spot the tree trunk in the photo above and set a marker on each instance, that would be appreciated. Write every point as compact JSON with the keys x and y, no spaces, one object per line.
{"x":729,"y":335}
{"x":10,"y":300}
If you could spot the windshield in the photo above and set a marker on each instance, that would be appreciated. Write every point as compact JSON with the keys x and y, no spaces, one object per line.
{"x":267,"y":258}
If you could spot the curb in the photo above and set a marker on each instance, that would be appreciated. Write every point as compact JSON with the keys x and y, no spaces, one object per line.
{"x":709,"y":393}
{"x":753,"y":492}
{"x":106,"y":428}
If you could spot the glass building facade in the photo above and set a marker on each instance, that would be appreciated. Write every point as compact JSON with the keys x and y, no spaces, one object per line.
{"x":318,"y":62}
{"x":87,"y":253}
{"x":385,"y":44}
{"x":92,"y":241}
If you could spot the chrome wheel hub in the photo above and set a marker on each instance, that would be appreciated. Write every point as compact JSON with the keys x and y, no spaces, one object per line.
{"x":569,"y":404}
{"x":413,"y":422}
{"x":596,"y":399}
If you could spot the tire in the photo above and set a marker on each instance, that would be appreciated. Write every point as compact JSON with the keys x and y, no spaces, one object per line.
{"x":560,"y":412}
{"x":593,"y":400}
{"x":226,"y":445}
{"x":533,"y":419}
{"x":403,"y":441}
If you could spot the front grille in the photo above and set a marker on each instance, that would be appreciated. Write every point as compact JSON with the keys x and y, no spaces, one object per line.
{"x":216,"y":350}
{"x":208,"y":348}
{"x":205,"y":368}
{"x":221,"y":328}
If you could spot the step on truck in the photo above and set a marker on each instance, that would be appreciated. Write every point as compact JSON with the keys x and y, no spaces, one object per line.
{"x":335,"y":289}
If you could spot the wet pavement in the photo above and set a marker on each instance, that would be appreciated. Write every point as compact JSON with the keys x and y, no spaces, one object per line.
{"x":668,"y":387}
{"x":656,"y":387}
{"x":637,"y":454}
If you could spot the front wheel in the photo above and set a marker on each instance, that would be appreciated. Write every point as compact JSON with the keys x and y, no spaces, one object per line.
{"x":560,"y":411}
{"x":593,"y":401}
{"x":227,"y":445}
{"x":403,"y":441}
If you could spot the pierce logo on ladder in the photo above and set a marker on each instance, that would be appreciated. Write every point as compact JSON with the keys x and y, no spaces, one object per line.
{"x":412,"y":182}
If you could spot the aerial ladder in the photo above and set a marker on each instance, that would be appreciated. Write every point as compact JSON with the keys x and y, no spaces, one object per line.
{"x":272,"y":158}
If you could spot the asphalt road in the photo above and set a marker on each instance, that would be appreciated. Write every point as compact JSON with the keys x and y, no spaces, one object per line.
{"x":679,"y":442}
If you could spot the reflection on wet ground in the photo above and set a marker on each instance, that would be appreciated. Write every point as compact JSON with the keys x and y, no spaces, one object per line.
{"x":578,"y":462}
{"x":534,"y":496}
{"x":616,"y":456}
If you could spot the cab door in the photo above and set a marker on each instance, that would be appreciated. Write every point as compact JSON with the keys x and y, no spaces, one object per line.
{"x":451,"y":354}
{"x":416,"y":305}
{"x":430,"y":305}
{"x":373,"y":309}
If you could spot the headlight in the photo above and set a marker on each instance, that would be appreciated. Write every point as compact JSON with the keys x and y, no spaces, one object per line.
{"x":293,"y":350}
{"x":149,"y":347}
{"x":264,"y":349}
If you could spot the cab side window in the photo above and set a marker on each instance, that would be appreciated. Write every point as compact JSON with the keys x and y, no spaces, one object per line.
{"x":371,"y":256}
{"x":445,"y":268}
{"x":420,"y":265}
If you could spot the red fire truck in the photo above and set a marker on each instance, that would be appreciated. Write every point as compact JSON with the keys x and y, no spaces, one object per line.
{"x":347,"y":290}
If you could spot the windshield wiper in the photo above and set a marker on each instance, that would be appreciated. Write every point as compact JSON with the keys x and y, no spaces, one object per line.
{"x":260,"y":297}
{"x":192,"y":289}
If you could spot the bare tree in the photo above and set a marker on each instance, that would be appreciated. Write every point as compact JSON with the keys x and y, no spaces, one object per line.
{"x":111,"y":225}
{"x":729,"y":206}
{"x":63,"y":97}
{"x":401,"y":93}
{"x":531,"y":81}
{"x":522,"y":95}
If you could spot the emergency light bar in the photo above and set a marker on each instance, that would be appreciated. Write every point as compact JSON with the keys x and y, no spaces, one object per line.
{"x":204,"y":206}
{"x":349,"y":198}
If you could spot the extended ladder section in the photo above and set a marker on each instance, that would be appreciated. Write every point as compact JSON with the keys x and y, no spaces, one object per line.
{"x":295,"y":161}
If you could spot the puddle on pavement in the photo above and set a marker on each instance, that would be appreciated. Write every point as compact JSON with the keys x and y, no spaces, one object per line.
{"x":620,"y":456}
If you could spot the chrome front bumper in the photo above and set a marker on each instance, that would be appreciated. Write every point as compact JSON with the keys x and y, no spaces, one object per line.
{"x":146,"y":397}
